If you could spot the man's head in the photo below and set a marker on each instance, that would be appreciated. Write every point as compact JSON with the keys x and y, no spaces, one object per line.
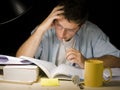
{"x":75,"y":14}
{"x":75,"y":10}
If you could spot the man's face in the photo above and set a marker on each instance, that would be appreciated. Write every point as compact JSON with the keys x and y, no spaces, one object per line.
{"x":65,"y":29}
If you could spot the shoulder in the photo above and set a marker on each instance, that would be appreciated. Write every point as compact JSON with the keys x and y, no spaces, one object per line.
{"x":91,"y":32}
{"x":50,"y":32}
{"x":89,"y":28}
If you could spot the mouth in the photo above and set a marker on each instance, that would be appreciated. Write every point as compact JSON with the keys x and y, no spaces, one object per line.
{"x":61,"y":39}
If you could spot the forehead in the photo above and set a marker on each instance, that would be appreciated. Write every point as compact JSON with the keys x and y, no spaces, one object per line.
{"x":66,"y":24}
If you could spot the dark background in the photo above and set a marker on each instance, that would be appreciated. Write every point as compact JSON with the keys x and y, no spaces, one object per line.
{"x":15,"y":29}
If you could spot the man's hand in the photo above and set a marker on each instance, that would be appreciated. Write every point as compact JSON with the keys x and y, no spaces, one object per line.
{"x":75,"y":56}
{"x":55,"y":14}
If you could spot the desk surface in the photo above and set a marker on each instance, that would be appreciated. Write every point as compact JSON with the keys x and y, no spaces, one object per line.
{"x":64,"y":85}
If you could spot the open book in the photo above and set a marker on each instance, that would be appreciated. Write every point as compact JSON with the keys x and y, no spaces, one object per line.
{"x":62,"y":71}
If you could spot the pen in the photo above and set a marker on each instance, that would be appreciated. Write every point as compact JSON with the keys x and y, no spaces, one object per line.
{"x":65,"y":47}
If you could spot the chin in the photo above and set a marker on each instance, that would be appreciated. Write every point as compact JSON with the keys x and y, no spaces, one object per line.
{"x":60,"y":39}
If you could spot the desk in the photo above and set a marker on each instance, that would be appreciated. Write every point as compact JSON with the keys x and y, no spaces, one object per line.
{"x":64,"y":85}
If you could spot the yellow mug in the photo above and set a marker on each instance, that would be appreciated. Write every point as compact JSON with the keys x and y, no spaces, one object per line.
{"x":93,"y":74}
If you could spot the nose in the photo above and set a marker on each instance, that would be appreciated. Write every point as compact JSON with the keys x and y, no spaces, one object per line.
{"x":62,"y":33}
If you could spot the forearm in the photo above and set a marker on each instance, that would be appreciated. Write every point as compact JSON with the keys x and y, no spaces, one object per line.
{"x":110,"y":61}
{"x":30,"y":46}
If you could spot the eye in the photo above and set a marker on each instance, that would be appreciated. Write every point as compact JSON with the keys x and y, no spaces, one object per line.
{"x":70,"y":30}
{"x":59,"y":26}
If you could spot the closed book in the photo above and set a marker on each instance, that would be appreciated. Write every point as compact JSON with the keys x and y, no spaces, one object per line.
{"x":20,"y":73}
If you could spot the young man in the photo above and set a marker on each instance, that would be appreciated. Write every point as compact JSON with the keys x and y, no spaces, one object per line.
{"x":66,"y":26}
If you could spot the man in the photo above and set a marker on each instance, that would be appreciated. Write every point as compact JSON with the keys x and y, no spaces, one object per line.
{"x":67,"y":25}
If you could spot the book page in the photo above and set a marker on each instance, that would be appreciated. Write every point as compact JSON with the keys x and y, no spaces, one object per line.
{"x":66,"y":71}
{"x":47,"y":67}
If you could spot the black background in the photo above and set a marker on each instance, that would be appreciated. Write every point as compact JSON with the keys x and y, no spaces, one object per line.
{"x":16,"y":31}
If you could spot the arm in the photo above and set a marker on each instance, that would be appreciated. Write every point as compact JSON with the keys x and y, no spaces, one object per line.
{"x":30,"y":46}
{"x":110,"y":61}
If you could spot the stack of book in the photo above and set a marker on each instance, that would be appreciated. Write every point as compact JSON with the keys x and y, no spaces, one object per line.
{"x":16,"y":70}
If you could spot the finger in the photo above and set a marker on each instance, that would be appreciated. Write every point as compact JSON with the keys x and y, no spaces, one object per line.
{"x":72,"y":50}
{"x":58,"y":8}
{"x":71,"y":61}
{"x":68,"y":53}
{"x":58,"y":13}
{"x":71,"y":57}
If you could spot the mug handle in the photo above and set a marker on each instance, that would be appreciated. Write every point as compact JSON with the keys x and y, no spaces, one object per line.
{"x":110,"y":71}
